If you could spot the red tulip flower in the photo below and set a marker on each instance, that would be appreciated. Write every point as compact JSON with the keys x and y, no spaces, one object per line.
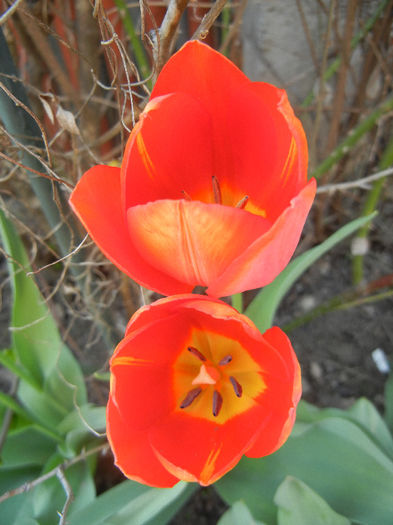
{"x":213,"y":187}
{"x":194,"y":387}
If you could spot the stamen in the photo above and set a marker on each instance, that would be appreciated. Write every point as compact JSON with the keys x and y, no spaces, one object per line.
{"x":237,"y":387}
{"x":196,"y":352}
{"x":217,"y":403}
{"x":242,"y":203}
{"x":192,"y":394}
{"x":225,"y":360}
{"x":216,"y":190}
{"x":186,"y":196}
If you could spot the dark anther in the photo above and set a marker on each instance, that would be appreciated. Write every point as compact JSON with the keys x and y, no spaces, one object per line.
{"x":197,"y":353}
{"x":242,"y":203}
{"x":186,"y":196}
{"x":225,"y":360}
{"x":217,"y":403}
{"x":237,"y":387}
{"x":192,"y":394}
{"x":216,"y":190}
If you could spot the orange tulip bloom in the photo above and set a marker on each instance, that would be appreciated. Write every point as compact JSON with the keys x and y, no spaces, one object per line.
{"x":194,"y":387}
{"x":213,"y":186}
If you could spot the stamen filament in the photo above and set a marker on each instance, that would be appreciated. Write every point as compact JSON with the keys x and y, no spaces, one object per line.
{"x":237,"y":387}
{"x":225,"y":360}
{"x":242,"y":203}
{"x":192,"y":394}
{"x":217,"y":403}
{"x":186,"y":196}
{"x":216,"y":190}
{"x":196,"y":352}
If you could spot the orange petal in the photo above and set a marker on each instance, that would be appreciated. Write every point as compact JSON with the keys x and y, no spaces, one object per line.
{"x":192,"y":241}
{"x":133,"y":453}
{"x":256,"y":139}
{"x":96,"y":200}
{"x":282,"y":397}
{"x":142,"y":385}
{"x":169,"y":152}
{"x":263,"y":260}
{"x":208,"y":450}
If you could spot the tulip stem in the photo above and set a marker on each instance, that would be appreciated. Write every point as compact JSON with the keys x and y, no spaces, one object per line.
{"x":237,"y":302}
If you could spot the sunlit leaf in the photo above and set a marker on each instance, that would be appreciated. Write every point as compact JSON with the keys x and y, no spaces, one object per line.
{"x":298,"y":504}
{"x":263,"y":308}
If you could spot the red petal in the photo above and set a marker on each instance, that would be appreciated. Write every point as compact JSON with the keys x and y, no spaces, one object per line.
{"x":169,"y":152}
{"x":192,"y":241}
{"x":133,"y":453}
{"x":203,"y":451}
{"x":282,"y":397}
{"x":142,"y":380}
{"x":96,"y":200}
{"x":257,"y":140}
{"x":263,"y":260}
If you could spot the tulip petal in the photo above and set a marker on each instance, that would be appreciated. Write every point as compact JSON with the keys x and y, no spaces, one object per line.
{"x":142,"y":386}
{"x":192,"y":241}
{"x":169,"y":153}
{"x":257,"y":140}
{"x":133,"y":453}
{"x":206,"y":453}
{"x":263,"y":260}
{"x":281,"y":405}
{"x":96,"y":200}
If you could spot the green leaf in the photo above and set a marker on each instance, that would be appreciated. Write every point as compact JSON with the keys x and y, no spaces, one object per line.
{"x":38,"y":347}
{"x":15,"y":453}
{"x":49,"y":497}
{"x":389,"y":402}
{"x":362,"y":412}
{"x":297,"y":503}
{"x":17,"y":509}
{"x":263,"y":308}
{"x":335,"y":457}
{"x":238,"y":514}
{"x":131,"y":503}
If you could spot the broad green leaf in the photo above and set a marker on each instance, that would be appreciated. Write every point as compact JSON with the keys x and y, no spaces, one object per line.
{"x":131,"y":503}
{"x":335,"y":457}
{"x":298,"y":504}
{"x":238,"y":514}
{"x":149,"y":505}
{"x":27,"y":446}
{"x":362,"y":412}
{"x":14,"y":510}
{"x":49,"y":497}
{"x":389,"y":402}
{"x":263,"y":308}
{"x":36,"y":341}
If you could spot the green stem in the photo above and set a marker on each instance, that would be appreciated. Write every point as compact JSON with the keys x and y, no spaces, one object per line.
{"x":137,"y":48}
{"x":237,"y":302}
{"x":370,"y":205}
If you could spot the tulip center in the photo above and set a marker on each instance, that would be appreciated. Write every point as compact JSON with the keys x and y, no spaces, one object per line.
{"x":210,"y":375}
{"x":215,"y":377}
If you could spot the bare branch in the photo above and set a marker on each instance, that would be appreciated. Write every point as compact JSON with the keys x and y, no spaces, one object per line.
{"x":360,"y":183}
{"x":167,"y":31}
{"x":54,"y":472}
{"x":5,"y":16}
{"x":208,"y":20}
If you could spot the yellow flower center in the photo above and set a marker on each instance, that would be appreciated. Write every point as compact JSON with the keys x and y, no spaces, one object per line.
{"x":215,"y":378}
